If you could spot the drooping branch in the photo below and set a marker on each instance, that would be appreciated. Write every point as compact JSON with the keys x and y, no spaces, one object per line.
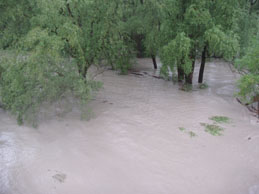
{"x":69,"y":10}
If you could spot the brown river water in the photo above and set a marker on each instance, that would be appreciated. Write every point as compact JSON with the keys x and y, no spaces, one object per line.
{"x":133,"y":145}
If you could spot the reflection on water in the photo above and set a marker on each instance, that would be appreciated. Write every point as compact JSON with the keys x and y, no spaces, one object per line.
{"x":133,"y":143}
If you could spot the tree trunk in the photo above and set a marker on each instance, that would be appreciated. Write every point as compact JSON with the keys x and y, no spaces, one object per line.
{"x":188,"y":78}
{"x":203,"y":61}
{"x":138,"y":38}
{"x":84,"y":72}
{"x":154,"y":61}
{"x":180,"y":74}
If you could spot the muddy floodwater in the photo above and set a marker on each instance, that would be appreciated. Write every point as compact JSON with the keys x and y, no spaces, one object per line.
{"x":133,"y":145}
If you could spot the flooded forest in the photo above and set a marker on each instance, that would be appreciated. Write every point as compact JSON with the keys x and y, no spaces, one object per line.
{"x":129,"y":97}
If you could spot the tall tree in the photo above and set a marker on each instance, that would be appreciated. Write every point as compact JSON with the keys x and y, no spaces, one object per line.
{"x":64,"y":38}
{"x":201,"y":23}
{"x":220,"y":38}
{"x":192,"y":19}
{"x":152,"y":15}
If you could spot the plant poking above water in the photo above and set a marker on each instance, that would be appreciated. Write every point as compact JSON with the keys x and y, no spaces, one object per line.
{"x":203,"y":86}
{"x":186,"y":87}
{"x":213,"y":129}
{"x":220,"y":119}
{"x":192,"y":134}
{"x":182,"y":129}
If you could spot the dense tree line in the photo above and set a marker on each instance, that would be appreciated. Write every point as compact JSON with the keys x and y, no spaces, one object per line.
{"x":53,"y":43}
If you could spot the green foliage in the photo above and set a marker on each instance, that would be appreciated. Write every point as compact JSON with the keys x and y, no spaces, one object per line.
{"x":28,"y":81}
{"x":164,"y":71}
{"x":249,"y":64}
{"x":176,"y":54}
{"x":186,"y":87}
{"x":192,"y":134}
{"x":220,"y":119}
{"x":207,"y":24}
{"x":248,"y":87}
{"x":213,"y":129}
{"x":56,"y":41}
{"x":248,"y":25}
{"x":182,"y":129}
{"x":63,"y":39}
{"x":197,"y":20}
{"x":203,"y":86}
{"x":152,"y":20}
{"x":222,"y":43}
{"x":123,"y":62}
{"x":15,"y":20}
{"x":152,"y":42}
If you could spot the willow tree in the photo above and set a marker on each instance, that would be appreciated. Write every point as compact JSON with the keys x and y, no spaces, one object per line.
{"x":152,"y":16}
{"x":249,"y":67}
{"x":142,"y":21}
{"x":248,"y":64}
{"x":192,"y":19}
{"x":220,"y":38}
{"x":201,"y":23}
{"x":134,"y":24}
{"x":218,"y":43}
{"x":90,"y":29}
{"x":63,"y":39}
{"x":175,"y":55}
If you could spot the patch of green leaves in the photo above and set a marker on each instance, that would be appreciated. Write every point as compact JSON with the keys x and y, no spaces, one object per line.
{"x":249,"y":83}
{"x":203,"y":86}
{"x":220,"y":119}
{"x":192,"y":134}
{"x":182,"y":129}
{"x":186,"y":87}
{"x":176,"y":54}
{"x":213,"y":129}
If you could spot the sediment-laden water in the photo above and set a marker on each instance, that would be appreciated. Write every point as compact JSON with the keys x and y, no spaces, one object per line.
{"x":133,"y":145}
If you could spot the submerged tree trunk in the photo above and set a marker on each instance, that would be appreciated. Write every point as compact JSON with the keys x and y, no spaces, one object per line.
{"x":180,"y":72}
{"x":154,"y":61}
{"x":203,"y":61}
{"x":188,"y":78}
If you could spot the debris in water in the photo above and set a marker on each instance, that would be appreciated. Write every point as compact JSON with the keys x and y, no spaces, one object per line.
{"x":60,"y":177}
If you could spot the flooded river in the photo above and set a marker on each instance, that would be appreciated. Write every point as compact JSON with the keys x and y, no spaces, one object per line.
{"x":133,"y":145}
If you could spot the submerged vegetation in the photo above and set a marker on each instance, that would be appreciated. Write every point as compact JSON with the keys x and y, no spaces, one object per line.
{"x":55,"y":43}
{"x":213,"y":129}
{"x":203,"y":86}
{"x":182,"y":129}
{"x":220,"y":119}
{"x":191,"y":133}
